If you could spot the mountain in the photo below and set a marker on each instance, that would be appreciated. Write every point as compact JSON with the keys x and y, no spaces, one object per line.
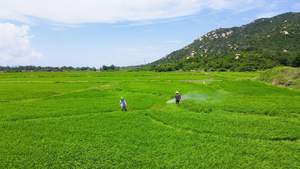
{"x":261,"y":44}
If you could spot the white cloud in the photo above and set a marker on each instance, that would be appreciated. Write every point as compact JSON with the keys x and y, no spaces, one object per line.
{"x":236,"y":5}
{"x":108,"y":11}
{"x":85,"y":11}
{"x":15,"y":45}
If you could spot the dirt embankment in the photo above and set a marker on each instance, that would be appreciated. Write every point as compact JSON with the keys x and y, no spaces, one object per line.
{"x":283,"y":76}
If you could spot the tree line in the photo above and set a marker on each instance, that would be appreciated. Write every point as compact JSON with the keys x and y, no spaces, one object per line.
{"x":239,"y":62}
{"x":55,"y":69}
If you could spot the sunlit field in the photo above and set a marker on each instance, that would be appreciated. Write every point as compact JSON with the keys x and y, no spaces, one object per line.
{"x":73,"y":120}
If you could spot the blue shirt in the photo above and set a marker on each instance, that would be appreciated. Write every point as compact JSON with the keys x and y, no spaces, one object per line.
{"x":123,"y":103}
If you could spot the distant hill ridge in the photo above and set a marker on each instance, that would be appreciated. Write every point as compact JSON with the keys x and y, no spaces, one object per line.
{"x":273,"y":41}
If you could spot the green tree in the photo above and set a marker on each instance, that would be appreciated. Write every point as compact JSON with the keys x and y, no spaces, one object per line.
{"x":296,"y":61}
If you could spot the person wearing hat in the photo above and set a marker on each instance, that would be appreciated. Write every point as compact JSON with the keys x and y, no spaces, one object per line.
{"x":123,"y":104}
{"x":177,"y":97}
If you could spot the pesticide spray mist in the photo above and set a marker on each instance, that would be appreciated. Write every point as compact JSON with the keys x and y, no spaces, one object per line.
{"x":192,"y":96}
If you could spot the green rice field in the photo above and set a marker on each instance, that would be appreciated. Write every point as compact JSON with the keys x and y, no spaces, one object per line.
{"x":73,"y":120}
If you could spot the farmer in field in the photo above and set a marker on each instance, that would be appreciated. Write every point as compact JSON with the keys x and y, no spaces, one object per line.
{"x":177,"y":97}
{"x":123,"y":104}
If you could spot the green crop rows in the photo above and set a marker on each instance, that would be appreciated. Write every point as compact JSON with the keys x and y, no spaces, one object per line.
{"x":73,"y":120}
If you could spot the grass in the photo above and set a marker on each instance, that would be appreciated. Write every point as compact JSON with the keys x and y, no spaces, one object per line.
{"x":72,"y":120}
{"x":283,"y":76}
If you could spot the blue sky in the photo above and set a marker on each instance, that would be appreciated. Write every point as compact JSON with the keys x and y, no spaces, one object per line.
{"x":103,"y":32}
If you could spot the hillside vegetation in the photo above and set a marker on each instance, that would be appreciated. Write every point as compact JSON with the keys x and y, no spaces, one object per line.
{"x":265,"y":43}
{"x":285,"y":76}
